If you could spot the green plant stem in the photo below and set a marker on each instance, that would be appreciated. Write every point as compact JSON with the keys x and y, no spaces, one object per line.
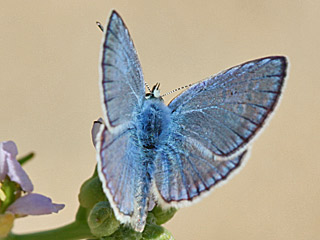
{"x":72,"y":231}
{"x":25,"y":158}
{"x":9,"y":189}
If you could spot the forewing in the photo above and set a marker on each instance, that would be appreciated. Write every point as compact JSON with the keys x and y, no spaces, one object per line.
{"x":185,"y":171}
{"x":224,"y":112}
{"x":122,"y":83}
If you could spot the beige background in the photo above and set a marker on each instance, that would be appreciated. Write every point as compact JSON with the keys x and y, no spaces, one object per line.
{"x":49,"y":95}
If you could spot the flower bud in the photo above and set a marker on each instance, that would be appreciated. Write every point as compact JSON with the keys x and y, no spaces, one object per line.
{"x":101,"y":220}
{"x":162,"y":215}
{"x":124,"y":233}
{"x":155,"y":232}
{"x":91,"y":192}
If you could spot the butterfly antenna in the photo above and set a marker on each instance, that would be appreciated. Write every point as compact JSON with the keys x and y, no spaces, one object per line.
{"x":100,"y":26}
{"x":147,"y":85}
{"x":177,"y":89}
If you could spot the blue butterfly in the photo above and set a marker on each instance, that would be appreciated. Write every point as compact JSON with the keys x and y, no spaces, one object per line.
{"x":149,"y":153}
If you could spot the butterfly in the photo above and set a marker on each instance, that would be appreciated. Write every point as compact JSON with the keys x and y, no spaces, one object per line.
{"x":150,"y":153}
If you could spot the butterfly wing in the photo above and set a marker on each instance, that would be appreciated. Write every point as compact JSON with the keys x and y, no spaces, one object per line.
{"x":124,"y":180}
{"x":185,"y":171}
{"x":212,"y":123}
{"x":118,"y":153}
{"x":224,"y":112}
{"x":115,"y":170}
{"x":122,"y":83}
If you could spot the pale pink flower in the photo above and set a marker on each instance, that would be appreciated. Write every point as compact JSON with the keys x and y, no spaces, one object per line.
{"x":9,"y":166}
{"x":34,"y":204}
{"x":31,"y":203}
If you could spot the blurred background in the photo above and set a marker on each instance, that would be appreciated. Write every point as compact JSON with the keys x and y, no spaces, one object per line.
{"x":49,"y":95}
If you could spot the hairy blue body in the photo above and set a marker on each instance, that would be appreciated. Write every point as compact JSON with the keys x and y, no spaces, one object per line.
{"x":151,"y":122}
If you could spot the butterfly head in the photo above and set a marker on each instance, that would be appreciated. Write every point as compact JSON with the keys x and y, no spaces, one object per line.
{"x":155,"y":92}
